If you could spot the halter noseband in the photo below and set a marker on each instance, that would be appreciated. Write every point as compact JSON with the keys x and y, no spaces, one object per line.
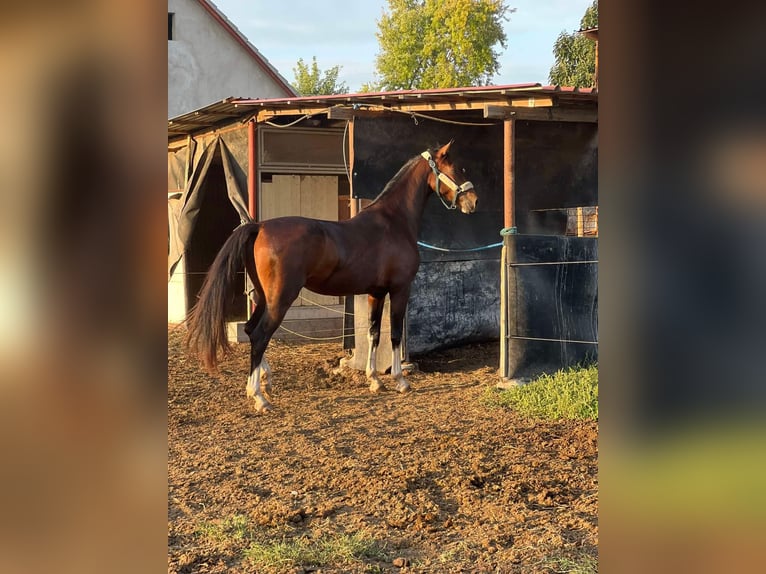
{"x":448,"y":181}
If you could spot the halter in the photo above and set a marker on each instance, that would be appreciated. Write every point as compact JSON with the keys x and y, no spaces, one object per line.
{"x":448,"y":181}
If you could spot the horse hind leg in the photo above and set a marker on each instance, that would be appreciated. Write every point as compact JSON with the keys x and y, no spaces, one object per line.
{"x":375,"y":305}
{"x":259,"y":340}
{"x":265,"y":372}
{"x":398,"y":310}
{"x":262,"y":370}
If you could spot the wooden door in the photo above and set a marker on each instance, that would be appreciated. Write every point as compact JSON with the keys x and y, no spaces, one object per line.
{"x":314,"y":196}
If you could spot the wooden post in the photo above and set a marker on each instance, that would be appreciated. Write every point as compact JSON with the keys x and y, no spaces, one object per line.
{"x":509,"y":132}
{"x":252,"y":184}
{"x":595,"y":73}
{"x":353,"y":201}
{"x":252,"y":170}
{"x":189,"y":161}
{"x":509,"y":221}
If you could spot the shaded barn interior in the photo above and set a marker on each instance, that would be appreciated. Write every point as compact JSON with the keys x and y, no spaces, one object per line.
{"x":218,"y":219}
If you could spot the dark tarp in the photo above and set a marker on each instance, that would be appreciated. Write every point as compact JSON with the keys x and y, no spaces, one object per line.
{"x":231,"y":148}
{"x":552,"y":287}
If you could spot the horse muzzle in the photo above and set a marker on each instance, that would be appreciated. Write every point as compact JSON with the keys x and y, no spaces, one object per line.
{"x":467,"y":201}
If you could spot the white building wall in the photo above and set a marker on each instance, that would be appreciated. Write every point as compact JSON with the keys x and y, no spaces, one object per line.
{"x":177,"y":294}
{"x":206,"y":64}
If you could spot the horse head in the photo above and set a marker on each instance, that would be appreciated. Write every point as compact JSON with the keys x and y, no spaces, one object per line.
{"x":449,"y":182}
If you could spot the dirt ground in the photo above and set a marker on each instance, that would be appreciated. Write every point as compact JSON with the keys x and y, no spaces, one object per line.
{"x":441,"y":482}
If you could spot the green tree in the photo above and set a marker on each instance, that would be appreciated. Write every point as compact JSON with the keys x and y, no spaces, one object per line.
{"x":575,"y":54}
{"x":310,"y":81}
{"x":439,"y":43}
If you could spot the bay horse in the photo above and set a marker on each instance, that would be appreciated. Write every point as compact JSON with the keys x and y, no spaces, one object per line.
{"x":374,"y":252}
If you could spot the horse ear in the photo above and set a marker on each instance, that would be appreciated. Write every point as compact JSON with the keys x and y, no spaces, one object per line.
{"x":444,"y":149}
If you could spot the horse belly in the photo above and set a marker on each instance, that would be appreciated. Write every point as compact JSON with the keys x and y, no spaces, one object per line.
{"x":338,"y":285}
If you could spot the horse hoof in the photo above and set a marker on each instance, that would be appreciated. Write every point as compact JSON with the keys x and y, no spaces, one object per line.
{"x":403,"y":386}
{"x":376,"y":386}
{"x":263,"y":406}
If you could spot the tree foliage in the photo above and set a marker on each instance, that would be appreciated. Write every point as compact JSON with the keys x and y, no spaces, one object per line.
{"x":310,"y":81}
{"x":439,"y":43}
{"x":575,"y":63}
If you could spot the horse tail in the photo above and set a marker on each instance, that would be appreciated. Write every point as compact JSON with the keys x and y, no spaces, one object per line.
{"x":206,"y":322}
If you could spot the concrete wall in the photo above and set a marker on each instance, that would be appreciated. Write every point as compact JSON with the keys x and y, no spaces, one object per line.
{"x":206,"y":64}
{"x":177,"y":294}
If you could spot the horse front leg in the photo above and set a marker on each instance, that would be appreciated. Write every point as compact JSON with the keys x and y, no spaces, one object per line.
{"x":399,"y":301}
{"x":262,"y":404}
{"x":375,"y":306}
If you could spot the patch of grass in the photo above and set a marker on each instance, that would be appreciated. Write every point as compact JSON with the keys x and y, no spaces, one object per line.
{"x":567,"y":394}
{"x":454,"y":552}
{"x":338,"y":549}
{"x":235,"y":527}
{"x":236,"y":531}
{"x":583,"y":564}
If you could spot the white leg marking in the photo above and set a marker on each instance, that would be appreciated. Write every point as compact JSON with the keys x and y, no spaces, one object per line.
{"x":371,"y":351}
{"x":266,"y":374}
{"x":254,"y":391}
{"x":375,"y":384}
{"x":396,"y":363}
{"x":396,"y":370}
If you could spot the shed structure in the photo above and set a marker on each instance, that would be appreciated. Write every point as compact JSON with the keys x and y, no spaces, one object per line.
{"x":530,"y":150}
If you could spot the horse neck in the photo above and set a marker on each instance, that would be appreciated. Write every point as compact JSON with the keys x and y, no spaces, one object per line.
{"x":406,"y":200}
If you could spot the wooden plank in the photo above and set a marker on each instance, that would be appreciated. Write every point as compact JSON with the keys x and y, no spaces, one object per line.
{"x":504,"y":339}
{"x":264,"y":115}
{"x":340,"y":113}
{"x":353,"y":202}
{"x":557,"y":114}
{"x":532,"y":102}
{"x":281,"y":197}
{"x":497,"y":112}
{"x":319,"y":197}
{"x":319,"y":200}
{"x":509,"y":152}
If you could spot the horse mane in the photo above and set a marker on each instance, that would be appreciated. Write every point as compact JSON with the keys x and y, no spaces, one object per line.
{"x":397,"y":178}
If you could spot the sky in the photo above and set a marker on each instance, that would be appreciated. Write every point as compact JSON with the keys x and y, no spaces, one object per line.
{"x":342,"y":32}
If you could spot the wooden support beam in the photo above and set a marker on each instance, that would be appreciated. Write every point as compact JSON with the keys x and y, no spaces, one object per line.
{"x":497,"y":112}
{"x":509,"y":133}
{"x":265,"y":114}
{"x":252,"y":180}
{"x":540,"y":110}
{"x":354,"y":202}
{"x":509,"y":220}
{"x":532,"y":102}
{"x":252,"y":170}
{"x":588,"y":115}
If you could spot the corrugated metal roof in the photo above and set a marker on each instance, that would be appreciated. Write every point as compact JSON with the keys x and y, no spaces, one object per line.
{"x":438,"y":100}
